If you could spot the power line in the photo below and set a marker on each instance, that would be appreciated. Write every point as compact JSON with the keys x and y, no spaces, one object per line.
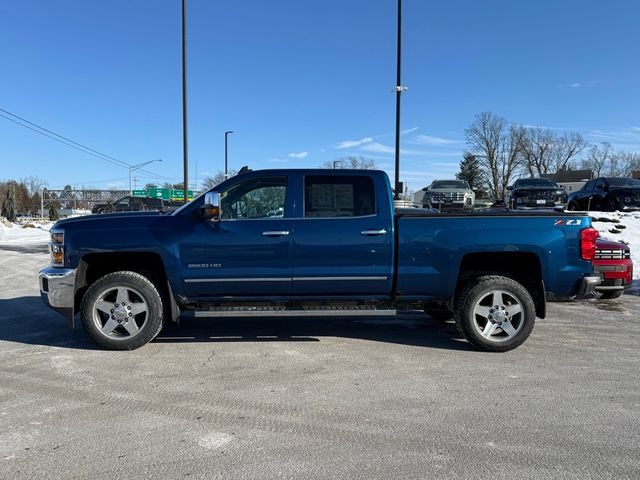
{"x":70,"y":143}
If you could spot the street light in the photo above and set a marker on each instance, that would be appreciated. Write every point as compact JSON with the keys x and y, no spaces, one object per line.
{"x":226,"y":135}
{"x":136,"y":167}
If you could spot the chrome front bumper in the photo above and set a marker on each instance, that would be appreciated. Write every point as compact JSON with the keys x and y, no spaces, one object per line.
{"x":57,"y":290}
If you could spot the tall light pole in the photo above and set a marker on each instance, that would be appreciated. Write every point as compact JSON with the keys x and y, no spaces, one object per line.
{"x":399,"y":89}
{"x":185,"y":148}
{"x":226,"y":135}
{"x":133,"y":168}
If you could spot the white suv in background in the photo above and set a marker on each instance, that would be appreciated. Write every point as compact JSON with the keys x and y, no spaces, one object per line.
{"x":448,"y":195}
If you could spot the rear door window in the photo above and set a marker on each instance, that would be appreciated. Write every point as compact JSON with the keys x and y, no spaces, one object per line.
{"x":338,"y":196}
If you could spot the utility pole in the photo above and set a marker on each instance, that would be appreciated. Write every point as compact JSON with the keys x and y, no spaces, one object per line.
{"x":226,"y":134}
{"x":399,"y":89}
{"x":185,"y":148}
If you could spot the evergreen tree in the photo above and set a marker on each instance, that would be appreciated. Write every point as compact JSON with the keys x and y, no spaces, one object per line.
{"x":9,"y":204}
{"x":471,"y":171}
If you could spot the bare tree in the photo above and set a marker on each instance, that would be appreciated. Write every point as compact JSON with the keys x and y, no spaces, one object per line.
{"x":497,"y":144}
{"x":566,"y":148}
{"x":357,"y":163}
{"x":597,"y":158}
{"x":217,"y":179}
{"x":543,"y":151}
{"x":535,"y":148}
{"x":33,"y":184}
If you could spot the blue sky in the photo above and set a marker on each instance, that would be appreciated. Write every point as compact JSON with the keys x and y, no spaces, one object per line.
{"x":304,"y":82}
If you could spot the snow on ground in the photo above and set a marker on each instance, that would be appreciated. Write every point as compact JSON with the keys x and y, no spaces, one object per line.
{"x":624,"y":228}
{"x":15,"y":234}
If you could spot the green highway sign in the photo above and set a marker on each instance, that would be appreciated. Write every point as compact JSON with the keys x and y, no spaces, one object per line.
{"x":164,"y":193}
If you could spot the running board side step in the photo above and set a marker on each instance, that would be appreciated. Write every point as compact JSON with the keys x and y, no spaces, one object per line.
{"x":289,"y":312}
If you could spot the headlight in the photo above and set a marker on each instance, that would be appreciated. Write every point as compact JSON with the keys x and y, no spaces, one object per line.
{"x":57,"y":248}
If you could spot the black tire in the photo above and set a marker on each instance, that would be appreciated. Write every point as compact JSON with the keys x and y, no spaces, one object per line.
{"x":573,"y":206}
{"x":609,"y":295}
{"x":502,"y":329}
{"x":612,"y":204}
{"x":136,"y":317}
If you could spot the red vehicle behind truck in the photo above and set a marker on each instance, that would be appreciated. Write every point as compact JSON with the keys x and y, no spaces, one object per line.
{"x":613,"y":262}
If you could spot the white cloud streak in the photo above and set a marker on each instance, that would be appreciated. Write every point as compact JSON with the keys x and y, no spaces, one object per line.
{"x":433,"y":141}
{"x":353,"y":143}
{"x":299,"y":154}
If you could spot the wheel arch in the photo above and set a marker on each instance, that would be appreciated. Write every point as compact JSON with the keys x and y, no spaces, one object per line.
{"x":524,"y":267}
{"x":96,"y":265}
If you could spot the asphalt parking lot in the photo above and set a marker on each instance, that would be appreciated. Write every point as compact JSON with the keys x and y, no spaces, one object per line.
{"x":316,"y":398}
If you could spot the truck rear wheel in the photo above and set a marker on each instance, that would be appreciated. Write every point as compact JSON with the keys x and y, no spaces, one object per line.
{"x":122,"y":311}
{"x":495,"y":313}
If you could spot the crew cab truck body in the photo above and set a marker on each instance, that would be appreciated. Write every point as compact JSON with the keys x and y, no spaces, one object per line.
{"x":294,"y":242}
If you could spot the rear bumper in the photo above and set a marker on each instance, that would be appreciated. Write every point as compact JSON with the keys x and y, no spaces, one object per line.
{"x":588,"y":285}
{"x":57,"y":290}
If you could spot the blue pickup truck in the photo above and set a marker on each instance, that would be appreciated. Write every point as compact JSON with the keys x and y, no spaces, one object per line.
{"x":314,"y":242}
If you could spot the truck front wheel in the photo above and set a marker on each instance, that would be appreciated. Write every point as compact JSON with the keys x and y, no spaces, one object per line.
{"x":122,"y":311}
{"x":495,"y":313}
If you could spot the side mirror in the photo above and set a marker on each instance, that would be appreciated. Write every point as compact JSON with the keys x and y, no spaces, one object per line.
{"x":510,"y":187}
{"x":211,"y":209}
{"x":425,"y":189}
{"x":601,"y":187}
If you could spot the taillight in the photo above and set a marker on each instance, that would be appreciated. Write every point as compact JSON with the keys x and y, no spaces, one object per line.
{"x":588,"y":238}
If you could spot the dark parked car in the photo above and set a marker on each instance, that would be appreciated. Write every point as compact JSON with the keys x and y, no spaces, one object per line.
{"x":536,"y":193}
{"x":130,"y":204}
{"x":607,"y":194}
{"x":613,"y":262}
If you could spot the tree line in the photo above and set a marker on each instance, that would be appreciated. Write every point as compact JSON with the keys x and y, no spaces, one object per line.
{"x":20,"y":197}
{"x":500,"y":151}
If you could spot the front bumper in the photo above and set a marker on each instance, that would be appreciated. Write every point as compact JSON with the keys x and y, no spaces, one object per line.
{"x":615,"y":275}
{"x":588,"y":285}
{"x":57,"y":290}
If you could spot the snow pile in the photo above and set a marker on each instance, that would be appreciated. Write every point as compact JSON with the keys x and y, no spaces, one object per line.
{"x":621,"y":227}
{"x":14,"y":234}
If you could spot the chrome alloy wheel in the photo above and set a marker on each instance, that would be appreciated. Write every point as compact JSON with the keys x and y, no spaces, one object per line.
{"x":497,"y":315}
{"x":119,"y":313}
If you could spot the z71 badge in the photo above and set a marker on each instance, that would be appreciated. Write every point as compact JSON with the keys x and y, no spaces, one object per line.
{"x":570,"y":222}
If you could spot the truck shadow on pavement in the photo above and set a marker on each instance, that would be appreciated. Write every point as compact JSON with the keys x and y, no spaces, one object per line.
{"x":28,"y":321}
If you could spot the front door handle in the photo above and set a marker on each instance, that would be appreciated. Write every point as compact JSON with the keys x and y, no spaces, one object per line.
{"x":371,"y":233}
{"x":275,"y":233}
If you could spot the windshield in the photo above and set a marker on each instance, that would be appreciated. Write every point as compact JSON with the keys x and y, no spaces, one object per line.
{"x":624,"y":182}
{"x":449,"y":184}
{"x":535,"y":182}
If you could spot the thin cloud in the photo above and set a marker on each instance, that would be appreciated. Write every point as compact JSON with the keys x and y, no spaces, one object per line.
{"x":431,"y":140}
{"x":352,"y":143}
{"x":299,"y":154}
{"x":375,"y":147}
{"x":278,"y":160}
{"x":590,"y":83}
{"x":409,"y":130}
{"x":628,"y":138}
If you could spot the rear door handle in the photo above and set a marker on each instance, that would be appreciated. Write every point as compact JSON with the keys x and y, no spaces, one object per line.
{"x":371,"y":233}
{"x":275,"y":233}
